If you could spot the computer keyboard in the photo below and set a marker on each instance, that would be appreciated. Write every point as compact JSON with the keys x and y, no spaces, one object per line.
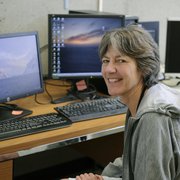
{"x":33,"y":124}
{"x":92,"y":109}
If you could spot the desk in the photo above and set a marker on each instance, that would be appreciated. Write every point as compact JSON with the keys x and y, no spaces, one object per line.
{"x":78,"y":132}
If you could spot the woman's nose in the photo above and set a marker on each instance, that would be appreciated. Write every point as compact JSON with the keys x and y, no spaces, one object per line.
{"x":111,"y":67}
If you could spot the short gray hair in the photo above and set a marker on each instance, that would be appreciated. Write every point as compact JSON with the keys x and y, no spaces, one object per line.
{"x":137,"y":43}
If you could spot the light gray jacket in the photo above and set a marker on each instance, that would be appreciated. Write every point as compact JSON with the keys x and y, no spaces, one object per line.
{"x":152,"y":139}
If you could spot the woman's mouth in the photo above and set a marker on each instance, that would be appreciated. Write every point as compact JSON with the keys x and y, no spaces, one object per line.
{"x":113,"y":80}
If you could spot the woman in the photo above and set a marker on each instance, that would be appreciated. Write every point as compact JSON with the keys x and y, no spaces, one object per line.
{"x":130,"y":67}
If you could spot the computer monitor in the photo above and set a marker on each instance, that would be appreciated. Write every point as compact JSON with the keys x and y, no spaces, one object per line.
{"x":172,"y":59}
{"x":20,"y":71}
{"x":73,"y":44}
{"x":152,"y":27}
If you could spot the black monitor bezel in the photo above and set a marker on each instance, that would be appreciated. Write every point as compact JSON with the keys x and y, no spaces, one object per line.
{"x":75,"y":75}
{"x":169,"y":69}
{"x":41,"y":89}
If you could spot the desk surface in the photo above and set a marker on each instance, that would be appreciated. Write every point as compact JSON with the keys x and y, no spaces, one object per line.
{"x":10,"y":149}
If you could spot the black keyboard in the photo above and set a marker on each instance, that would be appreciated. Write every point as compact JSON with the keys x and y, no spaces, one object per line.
{"x":92,"y":109}
{"x":33,"y":124}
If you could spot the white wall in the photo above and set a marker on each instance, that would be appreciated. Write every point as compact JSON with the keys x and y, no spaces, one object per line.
{"x":25,"y":15}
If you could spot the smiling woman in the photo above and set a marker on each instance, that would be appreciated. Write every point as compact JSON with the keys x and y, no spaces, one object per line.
{"x":125,"y":55}
{"x":117,"y":70}
{"x":130,"y":66}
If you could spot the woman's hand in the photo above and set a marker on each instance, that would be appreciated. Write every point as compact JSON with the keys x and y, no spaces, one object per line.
{"x":89,"y":176}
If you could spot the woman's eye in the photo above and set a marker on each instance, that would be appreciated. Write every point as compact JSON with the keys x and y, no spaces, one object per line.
{"x":104,"y":61}
{"x":120,"y":60}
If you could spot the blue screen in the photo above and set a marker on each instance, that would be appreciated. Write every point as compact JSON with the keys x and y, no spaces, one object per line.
{"x":74,"y":41}
{"x":20,"y":73}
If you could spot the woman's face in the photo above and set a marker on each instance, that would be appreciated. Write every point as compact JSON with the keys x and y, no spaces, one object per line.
{"x":120,"y":73}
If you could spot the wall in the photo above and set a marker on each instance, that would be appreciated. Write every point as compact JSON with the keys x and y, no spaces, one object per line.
{"x":25,"y":15}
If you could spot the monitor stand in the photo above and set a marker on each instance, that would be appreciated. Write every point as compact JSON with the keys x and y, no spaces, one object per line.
{"x":12,"y":111}
{"x":80,"y":90}
{"x":68,"y":97}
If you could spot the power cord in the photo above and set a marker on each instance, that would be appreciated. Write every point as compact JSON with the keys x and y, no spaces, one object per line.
{"x":48,"y":93}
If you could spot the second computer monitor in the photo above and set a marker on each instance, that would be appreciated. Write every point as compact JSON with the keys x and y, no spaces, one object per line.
{"x":20,"y":71}
{"x":74,"y":41}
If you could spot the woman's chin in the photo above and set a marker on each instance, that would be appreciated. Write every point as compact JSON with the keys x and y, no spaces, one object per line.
{"x":113,"y":93}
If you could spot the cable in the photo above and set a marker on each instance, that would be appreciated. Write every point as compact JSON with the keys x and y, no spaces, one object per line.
{"x":51,"y":98}
{"x":48,"y":93}
{"x":89,"y":93}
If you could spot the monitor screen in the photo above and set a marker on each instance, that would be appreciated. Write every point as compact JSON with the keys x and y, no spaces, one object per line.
{"x":20,"y":69}
{"x":153,"y":28}
{"x":172,"y":60}
{"x":73,"y":43}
